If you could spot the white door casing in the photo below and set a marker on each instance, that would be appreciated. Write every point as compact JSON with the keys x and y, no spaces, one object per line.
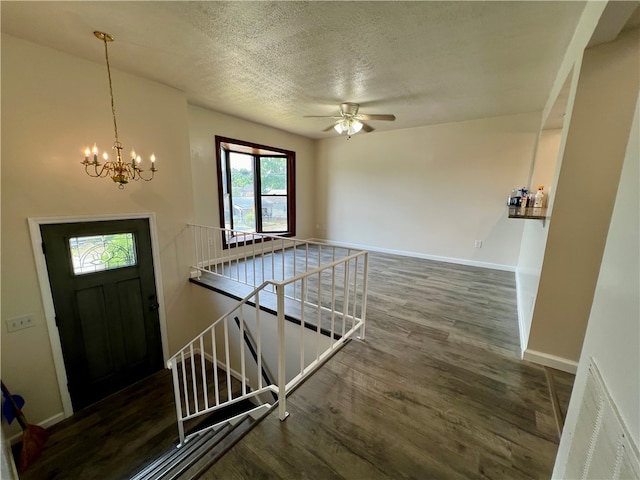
{"x":47,"y":296}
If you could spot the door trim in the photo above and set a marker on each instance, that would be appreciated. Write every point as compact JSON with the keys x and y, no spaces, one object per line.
{"x":47,"y":296}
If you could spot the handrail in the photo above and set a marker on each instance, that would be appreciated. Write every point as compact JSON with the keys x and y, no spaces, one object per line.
{"x":317,"y":269}
{"x":325,"y":285}
{"x":259,"y":235}
{"x":222,"y":317}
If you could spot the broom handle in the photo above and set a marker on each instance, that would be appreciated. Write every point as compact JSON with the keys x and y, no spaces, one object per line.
{"x":19,"y":415}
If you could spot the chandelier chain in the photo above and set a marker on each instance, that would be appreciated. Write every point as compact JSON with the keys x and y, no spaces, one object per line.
{"x":113,"y":107}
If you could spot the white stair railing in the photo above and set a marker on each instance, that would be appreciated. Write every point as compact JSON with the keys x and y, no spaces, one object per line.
{"x":323,"y":287}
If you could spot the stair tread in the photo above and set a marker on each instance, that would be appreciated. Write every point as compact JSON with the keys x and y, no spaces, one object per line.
{"x":202,"y":449}
{"x":219,"y":449}
{"x":172,"y":455}
{"x":186,"y":460}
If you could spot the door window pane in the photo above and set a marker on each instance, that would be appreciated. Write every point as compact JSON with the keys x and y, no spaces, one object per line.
{"x":102,"y":252}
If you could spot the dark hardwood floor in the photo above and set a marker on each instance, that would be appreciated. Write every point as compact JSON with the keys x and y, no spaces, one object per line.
{"x":436,"y":390}
{"x":113,"y":438}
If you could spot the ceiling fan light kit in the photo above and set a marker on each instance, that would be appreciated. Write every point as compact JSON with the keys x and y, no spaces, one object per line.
{"x":350,"y":121}
{"x":350,"y":126}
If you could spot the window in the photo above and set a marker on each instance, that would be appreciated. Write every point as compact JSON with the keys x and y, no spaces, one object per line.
{"x":102,"y":252}
{"x":256,"y":188}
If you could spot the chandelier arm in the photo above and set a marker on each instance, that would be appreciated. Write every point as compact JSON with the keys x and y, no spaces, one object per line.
{"x":113,"y":107}
{"x":137,"y":174}
{"x":86,"y":170}
{"x":153,"y":172}
{"x":103,"y":172}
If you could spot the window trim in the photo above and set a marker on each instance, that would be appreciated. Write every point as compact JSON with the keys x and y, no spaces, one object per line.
{"x":255,"y":149}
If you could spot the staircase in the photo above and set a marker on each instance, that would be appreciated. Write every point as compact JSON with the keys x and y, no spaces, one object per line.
{"x":204,"y":448}
{"x":304,"y":302}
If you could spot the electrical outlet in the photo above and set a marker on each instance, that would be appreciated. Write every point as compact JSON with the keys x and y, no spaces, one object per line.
{"x":19,"y":323}
{"x":478,"y":244}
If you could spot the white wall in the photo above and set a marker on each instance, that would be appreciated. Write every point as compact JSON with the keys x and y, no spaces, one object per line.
{"x":546,"y":159}
{"x":53,"y":105}
{"x":430,"y":191}
{"x":534,"y":235}
{"x":589,"y":172}
{"x":613,"y":334}
{"x":204,"y":125}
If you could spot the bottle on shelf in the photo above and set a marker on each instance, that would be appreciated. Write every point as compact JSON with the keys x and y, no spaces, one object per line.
{"x":539,"y":198}
{"x":523,"y":197}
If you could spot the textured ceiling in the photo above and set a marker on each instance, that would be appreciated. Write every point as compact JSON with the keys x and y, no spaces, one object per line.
{"x":273,"y":62}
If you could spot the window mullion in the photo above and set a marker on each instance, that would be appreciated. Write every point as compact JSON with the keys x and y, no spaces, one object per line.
{"x":227,"y":162}
{"x":257,"y":193}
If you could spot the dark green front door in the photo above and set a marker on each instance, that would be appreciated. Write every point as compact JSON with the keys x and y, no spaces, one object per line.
{"x":104,"y":293}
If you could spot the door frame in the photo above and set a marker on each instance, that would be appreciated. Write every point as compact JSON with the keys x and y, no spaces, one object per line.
{"x":47,"y":296}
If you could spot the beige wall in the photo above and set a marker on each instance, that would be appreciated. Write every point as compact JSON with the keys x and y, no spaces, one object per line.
{"x":429,"y":191}
{"x":53,"y":105}
{"x":613,"y":335}
{"x":204,"y":125}
{"x":534,"y":235}
{"x":596,"y":141}
{"x":546,"y":160}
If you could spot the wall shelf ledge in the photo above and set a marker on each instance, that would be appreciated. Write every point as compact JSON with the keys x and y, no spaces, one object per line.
{"x":528,"y":213}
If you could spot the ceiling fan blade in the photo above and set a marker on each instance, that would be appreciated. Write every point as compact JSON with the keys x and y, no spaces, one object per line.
{"x":377,"y":116}
{"x":322,"y":116}
{"x":366,"y":127}
{"x":332,"y":125}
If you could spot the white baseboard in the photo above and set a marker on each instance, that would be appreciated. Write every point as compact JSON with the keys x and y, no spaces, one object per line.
{"x":46,"y":423}
{"x":524,"y":335}
{"x":459,"y":261}
{"x":548,"y":360}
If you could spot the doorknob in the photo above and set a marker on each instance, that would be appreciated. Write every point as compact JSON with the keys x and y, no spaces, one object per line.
{"x":153,"y":305}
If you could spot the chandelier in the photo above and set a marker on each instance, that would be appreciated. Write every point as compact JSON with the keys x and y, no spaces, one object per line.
{"x":120,"y":172}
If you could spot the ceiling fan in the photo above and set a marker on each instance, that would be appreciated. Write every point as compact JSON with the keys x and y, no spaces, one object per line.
{"x":350,"y":121}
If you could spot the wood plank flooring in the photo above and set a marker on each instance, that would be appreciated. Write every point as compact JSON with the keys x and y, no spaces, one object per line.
{"x":435,"y":391}
{"x":117,"y":436}
{"x":113,"y":438}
